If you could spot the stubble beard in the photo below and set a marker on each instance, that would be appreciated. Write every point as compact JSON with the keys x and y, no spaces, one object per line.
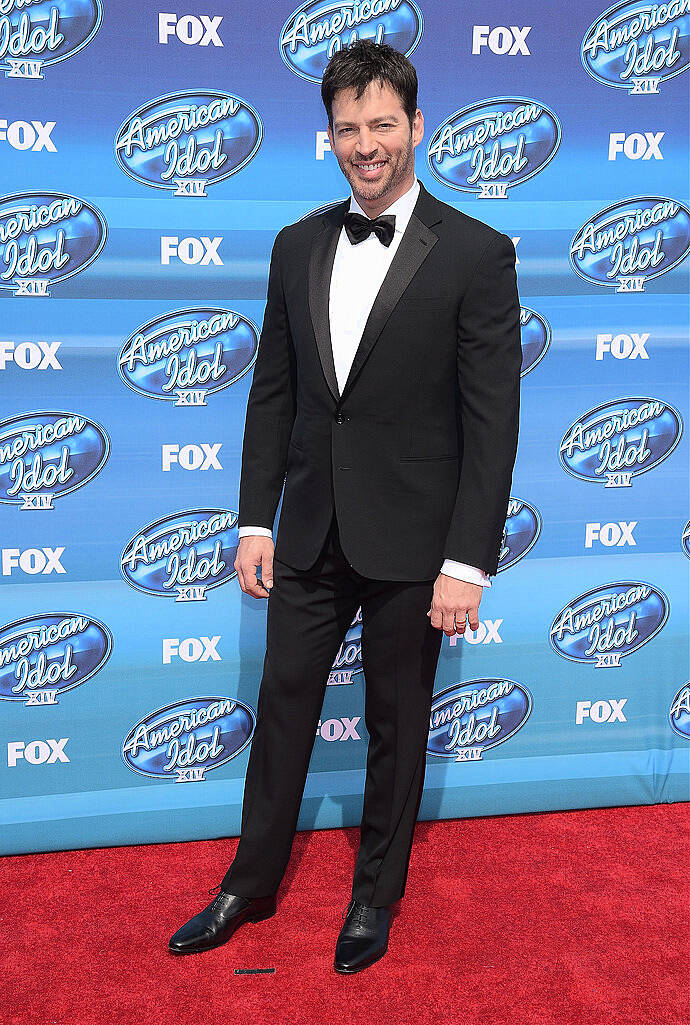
{"x":371,"y":191}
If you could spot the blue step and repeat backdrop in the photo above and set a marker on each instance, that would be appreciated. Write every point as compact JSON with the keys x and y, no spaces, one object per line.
{"x":149,"y":157}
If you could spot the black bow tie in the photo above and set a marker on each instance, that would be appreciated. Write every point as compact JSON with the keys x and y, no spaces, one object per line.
{"x":358,"y":228}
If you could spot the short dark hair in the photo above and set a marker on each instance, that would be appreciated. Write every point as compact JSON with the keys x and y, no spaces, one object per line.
{"x":364,"y":61}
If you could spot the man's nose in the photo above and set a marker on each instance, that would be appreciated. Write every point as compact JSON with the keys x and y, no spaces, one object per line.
{"x":366,"y":143}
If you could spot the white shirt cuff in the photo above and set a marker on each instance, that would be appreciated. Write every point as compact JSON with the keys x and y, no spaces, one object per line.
{"x":461,"y":571}
{"x":253,"y":532}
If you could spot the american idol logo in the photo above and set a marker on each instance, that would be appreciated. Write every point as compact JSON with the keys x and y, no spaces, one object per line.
{"x":185,"y":740}
{"x":470,"y":718}
{"x":348,"y":661}
{"x":44,"y":456}
{"x":679,"y":713}
{"x":48,"y":32}
{"x":46,"y":237}
{"x":635,"y":45}
{"x":620,"y":440}
{"x":189,"y":354}
{"x":185,"y":141}
{"x":317,"y":29}
{"x":492,"y":146}
{"x":535,"y":332}
{"x":520,"y":534}
{"x":323,"y":209}
{"x":44,"y":656}
{"x":183,"y":555}
{"x":603,"y":625}
{"x":685,"y":539}
{"x":632,"y":242}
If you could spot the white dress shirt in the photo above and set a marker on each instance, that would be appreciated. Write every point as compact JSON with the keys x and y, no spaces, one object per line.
{"x":358,"y":273}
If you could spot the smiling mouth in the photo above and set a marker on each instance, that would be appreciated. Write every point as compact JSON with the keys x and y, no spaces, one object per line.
{"x":371,"y":167}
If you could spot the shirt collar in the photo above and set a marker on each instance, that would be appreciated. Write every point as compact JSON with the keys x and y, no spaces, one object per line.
{"x":402,"y":208}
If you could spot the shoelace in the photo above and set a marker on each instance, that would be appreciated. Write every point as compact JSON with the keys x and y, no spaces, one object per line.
{"x":359,"y":912}
{"x":217,"y":893}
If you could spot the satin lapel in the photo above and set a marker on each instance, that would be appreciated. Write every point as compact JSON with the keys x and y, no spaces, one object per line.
{"x":320,"y":268}
{"x":415,"y":245}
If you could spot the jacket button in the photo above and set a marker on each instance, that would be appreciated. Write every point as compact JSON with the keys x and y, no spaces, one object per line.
{"x":339,"y":418}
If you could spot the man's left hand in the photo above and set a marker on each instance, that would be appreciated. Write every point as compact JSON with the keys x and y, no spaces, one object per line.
{"x":454,"y":605}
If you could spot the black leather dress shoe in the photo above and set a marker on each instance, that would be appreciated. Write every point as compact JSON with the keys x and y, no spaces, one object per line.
{"x":363,"y":939}
{"x":216,"y":923}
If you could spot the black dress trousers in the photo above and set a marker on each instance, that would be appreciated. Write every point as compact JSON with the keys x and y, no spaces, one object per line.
{"x":308,"y":615}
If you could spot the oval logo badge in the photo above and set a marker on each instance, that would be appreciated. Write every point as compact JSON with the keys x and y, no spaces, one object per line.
{"x":632,"y":242}
{"x":189,"y":354}
{"x":46,"y":237}
{"x":679,"y":713}
{"x":348,"y":661}
{"x":324,"y":208}
{"x":520,"y":534}
{"x":603,"y":625}
{"x":489,"y":147}
{"x":47,"y":455}
{"x":636,"y":45}
{"x":535,"y":332}
{"x":470,"y":718}
{"x":685,"y":539}
{"x":183,"y":555}
{"x":619,"y":440}
{"x":185,"y":141}
{"x":314,"y":32}
{"x":35,"y":35}
{"x":43,"y":656}
{"x":183,"y":741}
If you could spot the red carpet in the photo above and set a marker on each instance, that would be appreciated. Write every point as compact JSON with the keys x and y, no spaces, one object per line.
{"x":569,"y":917}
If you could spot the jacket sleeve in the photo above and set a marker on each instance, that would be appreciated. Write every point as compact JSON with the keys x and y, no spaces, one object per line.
{"x":488,"y":364}
{"x":270,"y":407}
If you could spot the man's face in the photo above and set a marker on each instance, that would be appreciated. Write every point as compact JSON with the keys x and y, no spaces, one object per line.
{"x":374,"y":145}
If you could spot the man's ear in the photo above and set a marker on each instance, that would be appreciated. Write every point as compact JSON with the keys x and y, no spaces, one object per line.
{"x":417,"y":127}
{"x":330,"y":137}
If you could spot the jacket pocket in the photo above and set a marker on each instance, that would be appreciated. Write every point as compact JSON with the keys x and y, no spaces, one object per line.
{"x":426,"y":459}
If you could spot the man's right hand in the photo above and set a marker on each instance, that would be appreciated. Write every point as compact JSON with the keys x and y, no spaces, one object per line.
{"x":254,"y":551}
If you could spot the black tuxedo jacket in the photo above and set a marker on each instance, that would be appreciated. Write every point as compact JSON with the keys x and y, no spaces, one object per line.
{"x":417,"y":452}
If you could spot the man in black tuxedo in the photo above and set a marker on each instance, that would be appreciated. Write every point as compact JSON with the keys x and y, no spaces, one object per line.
{"x":385,"y":401}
